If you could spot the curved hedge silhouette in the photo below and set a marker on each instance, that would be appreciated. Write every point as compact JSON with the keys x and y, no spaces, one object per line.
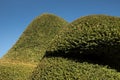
{"x":86,"y":49}
{"x":32,"y":44}
{"x":81,"y":51}
{"x":95,"y":35}
{"x":21,"y":59}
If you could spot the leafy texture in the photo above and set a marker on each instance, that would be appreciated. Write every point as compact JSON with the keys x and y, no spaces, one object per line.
{"x":96,"y":35}
{"x":86,"y":49}
{"x":21,"y":59}
{"x":64,"y":69}
{"x":15,"y":70}
{"x":82,"y":50}
{"x":32,"y":44}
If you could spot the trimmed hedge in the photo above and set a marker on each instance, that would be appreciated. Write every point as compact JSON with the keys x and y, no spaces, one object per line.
{"x":86,"y":49}
{"x":91,"y":35}
{"x":64,"y":69}
{"x":82,"y":50}
{"x":30,"y":48}
{"x":32,"y":44}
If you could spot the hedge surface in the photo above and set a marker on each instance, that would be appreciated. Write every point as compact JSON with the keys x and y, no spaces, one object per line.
{"x":32,"y":44}
{"x":86,"y":49}
{"x":30,"y":47}
{"x":57,"y":68}
{"x":90,"y":35}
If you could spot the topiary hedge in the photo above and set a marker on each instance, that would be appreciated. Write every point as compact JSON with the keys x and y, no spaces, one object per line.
{"x":97,"y":35}
{"x":30,"y":47}
{"x":57,"y":68}
{"x":81,"y":49}
{"x":32,"y":44}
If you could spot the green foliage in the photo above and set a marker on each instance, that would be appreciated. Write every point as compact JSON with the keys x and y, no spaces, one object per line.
{"x":88,"y":31}
{"x":30,"y":47}
{"x":82,"y":50}
{"x":65,"y":69}
{"x":86,"y":49}
{"x":91,"y":35}
{"x":15,"y":71}
{"x":32,"y":44}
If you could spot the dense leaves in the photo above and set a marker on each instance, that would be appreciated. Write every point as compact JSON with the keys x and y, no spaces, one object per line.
{"x":86,"y":49}
{"x":81,"y":51}
{"x":32,"y":44}
{"x":15,"y":70}
{"x":96,"y":35}
{"x":65,"y":69}
{"x":30,"y":47}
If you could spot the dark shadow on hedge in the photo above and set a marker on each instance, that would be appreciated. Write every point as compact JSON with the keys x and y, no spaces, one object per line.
{"x":105,"y":53}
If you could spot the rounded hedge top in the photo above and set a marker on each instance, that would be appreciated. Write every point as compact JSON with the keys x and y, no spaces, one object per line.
{"x":87,"y":33}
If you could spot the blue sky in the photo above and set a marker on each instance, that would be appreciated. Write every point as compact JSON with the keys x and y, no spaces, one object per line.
{"x":15,"y":15}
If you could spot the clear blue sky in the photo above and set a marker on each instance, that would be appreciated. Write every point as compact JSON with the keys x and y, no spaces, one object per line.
{"x":15,"y":15}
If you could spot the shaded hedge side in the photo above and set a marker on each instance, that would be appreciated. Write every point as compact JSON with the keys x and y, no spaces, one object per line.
{"x":57,"y":68}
